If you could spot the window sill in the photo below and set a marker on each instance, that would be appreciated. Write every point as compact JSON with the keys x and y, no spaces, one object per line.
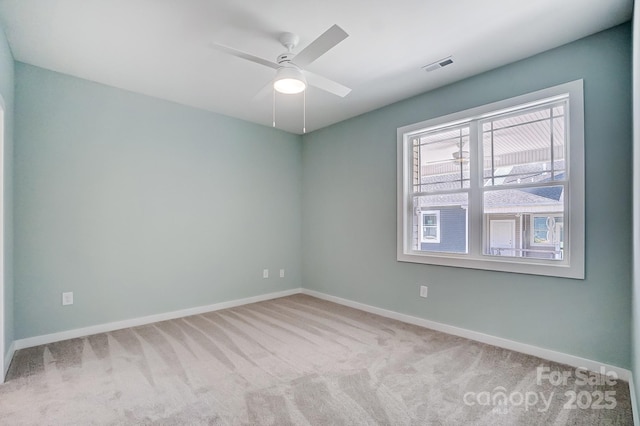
{"x":550,"y":268}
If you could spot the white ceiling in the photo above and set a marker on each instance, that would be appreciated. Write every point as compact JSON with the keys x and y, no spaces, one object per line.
{"x":160,"y":47}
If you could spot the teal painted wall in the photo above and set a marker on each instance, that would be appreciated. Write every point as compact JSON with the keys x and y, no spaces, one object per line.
{"x":141,"y":206}
{"x":7,"y":93}
{"x":349,"y":213}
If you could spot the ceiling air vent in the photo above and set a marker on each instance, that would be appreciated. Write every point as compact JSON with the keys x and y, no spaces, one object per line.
{"x":438,"y":64}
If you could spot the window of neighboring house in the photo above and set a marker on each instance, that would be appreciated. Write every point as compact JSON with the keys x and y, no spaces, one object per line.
{"x":510,"y":178}
{"x":430,"y":221}
{"x":544,"y":230}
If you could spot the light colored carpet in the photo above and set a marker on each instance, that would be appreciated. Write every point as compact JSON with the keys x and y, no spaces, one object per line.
{"x":296,"y":360}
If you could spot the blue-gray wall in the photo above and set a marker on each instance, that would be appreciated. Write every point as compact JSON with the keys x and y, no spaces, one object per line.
{"x":141,"y":206}
{"x":349,"y":213}
{"x":7,"y":93}
{"x":453,"y":230}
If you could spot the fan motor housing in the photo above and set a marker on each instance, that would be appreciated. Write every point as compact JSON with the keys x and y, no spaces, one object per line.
{"x":285,"y":57}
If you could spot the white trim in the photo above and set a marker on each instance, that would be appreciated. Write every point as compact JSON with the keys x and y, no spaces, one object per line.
{"x":7,"y":360}
{"x":134,"y":322}
{"x":524,"y":348}
{"x":634,"y":404}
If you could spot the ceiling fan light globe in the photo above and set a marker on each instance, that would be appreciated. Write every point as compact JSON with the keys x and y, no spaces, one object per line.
{"x":289,"y":86}
{"x":289,"y":81}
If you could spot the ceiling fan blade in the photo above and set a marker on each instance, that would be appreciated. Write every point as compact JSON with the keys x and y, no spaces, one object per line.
{"x":243,"y":55}
{"x":320,"y":46}
{"x":326,"y":84}
{"x":449,"y":160}
{"x":266,"y":90}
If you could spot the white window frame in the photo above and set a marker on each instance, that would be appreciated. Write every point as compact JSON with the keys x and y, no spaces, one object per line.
{"x":572,"y":264}
{"x":437,"y":226}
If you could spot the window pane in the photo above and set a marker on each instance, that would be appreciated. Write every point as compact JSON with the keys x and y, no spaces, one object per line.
{"x":559,"y":165}
{"x":430,"y":220}
{"x":525,"y":147}
{"x":527,"y":222}
{"x":430,"y":232}
{"x":540,"y":229}
{"x":440,"y":223}
{"x":441,"y":160}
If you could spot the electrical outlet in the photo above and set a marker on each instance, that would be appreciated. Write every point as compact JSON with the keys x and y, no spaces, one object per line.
{"x":67,"y":298}
{"x":423,"y":291}
{"x":265,"y":273}
{"x":281,"y":273}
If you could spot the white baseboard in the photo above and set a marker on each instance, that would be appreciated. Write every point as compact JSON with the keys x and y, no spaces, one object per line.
{"x":547,"y":354}
{"x":134,"y":322}
{"x":7,"y":360}
{"x":543,"y":353}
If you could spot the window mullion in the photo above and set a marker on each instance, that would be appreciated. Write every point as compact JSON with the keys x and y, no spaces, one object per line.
{"x":553,"y":166}
{"x":474,"y":212}
{"x":493,"y":166}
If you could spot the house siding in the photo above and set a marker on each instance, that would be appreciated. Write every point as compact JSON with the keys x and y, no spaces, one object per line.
{"x":453,"y":231}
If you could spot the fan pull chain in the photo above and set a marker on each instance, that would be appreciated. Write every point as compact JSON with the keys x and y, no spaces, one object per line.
{"x":274,"y":107}
{"x":304,"y":111}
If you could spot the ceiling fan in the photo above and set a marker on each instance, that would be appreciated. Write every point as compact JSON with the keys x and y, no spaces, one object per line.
{"x":291,"y":77}
{"x":460,"y":156}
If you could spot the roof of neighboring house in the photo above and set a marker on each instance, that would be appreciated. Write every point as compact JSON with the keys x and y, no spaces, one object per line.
{"x":550,"y":192}
{"x":527,"y":200}
{"x":503,"y":199}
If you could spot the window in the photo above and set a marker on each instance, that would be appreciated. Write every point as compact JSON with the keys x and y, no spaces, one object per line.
{"x":498,"y":187}
{"x":546,"y":230}
{"x":430,"y":221}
